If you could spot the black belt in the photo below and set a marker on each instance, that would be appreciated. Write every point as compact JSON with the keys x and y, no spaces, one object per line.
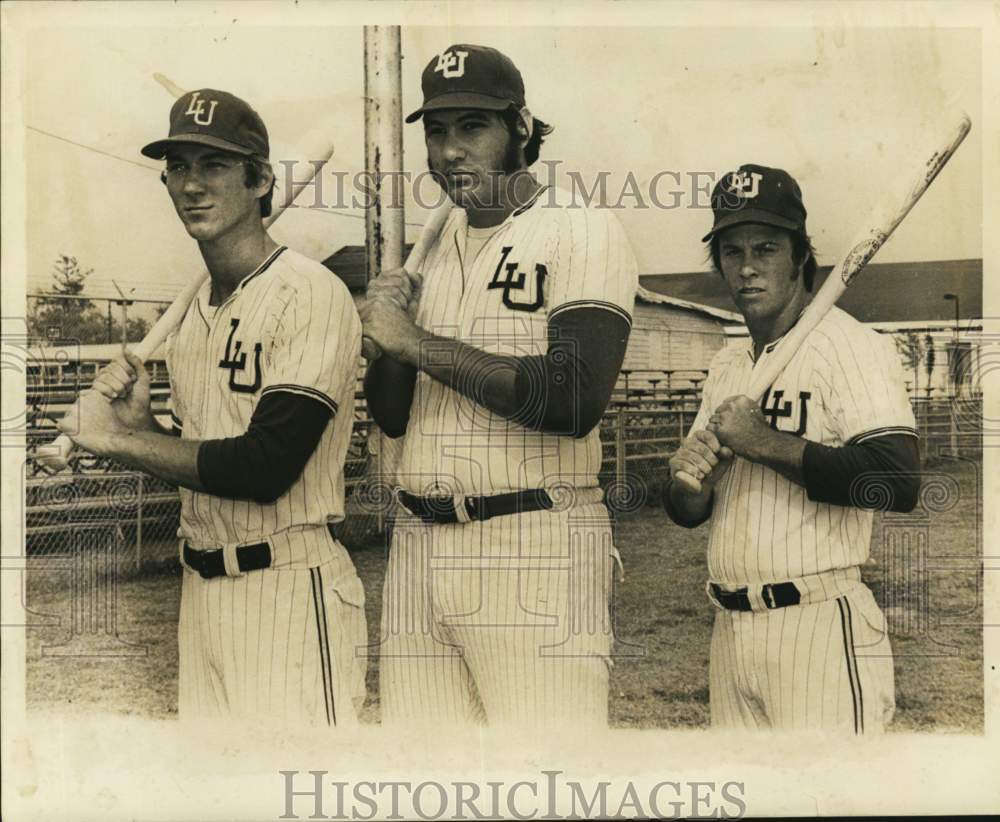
{"x":442,"y":509}
{"x":209,"y":563}
{"x":778,"y":595}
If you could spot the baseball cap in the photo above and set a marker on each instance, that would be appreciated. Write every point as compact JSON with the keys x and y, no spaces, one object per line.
{"x":213,"y":118}
{"x":466,"y":76}
{"x":757,"y":194}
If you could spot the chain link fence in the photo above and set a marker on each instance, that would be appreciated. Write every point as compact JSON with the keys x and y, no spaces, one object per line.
{"x":137,"y":515}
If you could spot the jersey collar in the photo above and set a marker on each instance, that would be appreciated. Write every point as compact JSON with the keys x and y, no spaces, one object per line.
{"x":769,"y":348}
{"x":204,"y":297}
{"x":264,"y":266}
{"x":531,"y":201}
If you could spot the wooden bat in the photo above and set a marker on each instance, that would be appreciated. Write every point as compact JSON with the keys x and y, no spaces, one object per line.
{"x":55,"y":456}
{"x":414,"y":262}
{"x":882,"y":221}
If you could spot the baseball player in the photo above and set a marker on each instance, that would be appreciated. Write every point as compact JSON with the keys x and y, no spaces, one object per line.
{"x":262,"y":375}
{"x":496,"y":604}
{"x":799,"y":641}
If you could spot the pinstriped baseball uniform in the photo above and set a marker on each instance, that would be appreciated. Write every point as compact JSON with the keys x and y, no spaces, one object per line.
{"x":826,"y":662}
{"x":505,"y":620}
{"x":278,"y":642}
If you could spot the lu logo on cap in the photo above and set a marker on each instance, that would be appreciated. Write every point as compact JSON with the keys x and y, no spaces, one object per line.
{"x":198,"y":112}
{"x":745,"y":184}
{"x":757,"y":194}
{"x":465,"y":75}
{"x":213,"y":118}
{"x":451,"y":63}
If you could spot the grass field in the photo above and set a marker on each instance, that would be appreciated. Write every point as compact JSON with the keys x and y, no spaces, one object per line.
{"x":925,"y":572}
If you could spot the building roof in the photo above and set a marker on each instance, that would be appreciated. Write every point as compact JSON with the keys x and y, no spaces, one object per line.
{"x":883,"y":292}
{"x":646,"y":296}
{"x":350,"y":265}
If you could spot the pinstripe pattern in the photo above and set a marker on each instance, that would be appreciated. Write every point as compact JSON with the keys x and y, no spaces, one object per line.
{"x":310,"y":333}
{"x":280,"y":643}
{"x":452,"y":444}
{"x":504,"y":621}
{"x":764,"y":527}
{"x":272,"y":645}
{"x":826,"y":666}
{"x":800,"y":667}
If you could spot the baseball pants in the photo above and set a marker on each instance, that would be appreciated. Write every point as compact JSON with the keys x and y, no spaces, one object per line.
{"x":825,"y":665}
{"x":281,"y":644}
{"x":503,"y":622}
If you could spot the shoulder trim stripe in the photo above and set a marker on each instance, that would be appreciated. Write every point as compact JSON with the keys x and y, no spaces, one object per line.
{"x":882,"y":432}
{"x":304,"y":391}
{"x":616,"y":309}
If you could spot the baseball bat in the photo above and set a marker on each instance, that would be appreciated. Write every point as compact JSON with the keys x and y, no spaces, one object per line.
{"x":414,"y":261}
{"x":882,"y":221}
{"x":169,"y":85}
{"x":56,"y":455}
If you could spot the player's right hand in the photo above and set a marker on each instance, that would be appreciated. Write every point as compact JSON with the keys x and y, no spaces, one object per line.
{"x":395,"y":285}
{"x":125,"y":383}
{"x":700,"y":461}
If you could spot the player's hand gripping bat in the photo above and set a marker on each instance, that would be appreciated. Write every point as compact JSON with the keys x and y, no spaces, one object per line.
{"x":880,"y":224}
{"x":414,"y":261}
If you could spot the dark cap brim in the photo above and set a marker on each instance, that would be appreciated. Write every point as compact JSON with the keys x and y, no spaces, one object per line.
{"x":461,"y":99}
{"x":753,"y":215}
{"x":157,"y":150}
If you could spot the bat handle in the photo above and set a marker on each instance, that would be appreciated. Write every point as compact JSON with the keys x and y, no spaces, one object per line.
{"x":55,"y":455}
{"x":370,"y":349}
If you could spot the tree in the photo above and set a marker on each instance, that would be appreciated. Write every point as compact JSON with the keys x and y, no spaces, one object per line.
{"x":911,"y":348}
{"x":68,"y":316}
{"x":929,"y":361}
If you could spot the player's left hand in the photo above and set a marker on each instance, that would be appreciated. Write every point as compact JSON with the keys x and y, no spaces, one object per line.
{"x":739,"y":424}
{"x":94,"y":423}
{"x":392,"y":329}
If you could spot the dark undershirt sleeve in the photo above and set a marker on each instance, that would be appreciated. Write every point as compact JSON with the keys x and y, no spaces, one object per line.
{"x":389,"y":387}
{"x":567,"y":390}
{"x":881,"y":473}
{"x":679,"y":518}
{"x":262,"y":464}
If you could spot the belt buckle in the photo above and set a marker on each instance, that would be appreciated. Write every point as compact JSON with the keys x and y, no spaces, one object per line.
{"x":475,"y":508}
{"x":202,"y":558}
{"x":767,"y":594}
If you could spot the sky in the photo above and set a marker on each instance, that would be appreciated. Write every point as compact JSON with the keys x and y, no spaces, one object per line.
{"x":846,"y":110}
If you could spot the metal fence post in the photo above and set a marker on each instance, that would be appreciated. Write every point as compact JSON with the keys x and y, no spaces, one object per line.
{"x":620,"y":447}
{"x":138,"y":524}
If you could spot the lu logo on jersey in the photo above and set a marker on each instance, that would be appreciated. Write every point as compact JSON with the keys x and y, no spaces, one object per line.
{"x":236,"y":360}
{"x":511,"y":280}
{"x":781,"y":408}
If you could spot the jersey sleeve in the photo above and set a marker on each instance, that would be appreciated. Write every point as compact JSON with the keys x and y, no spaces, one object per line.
{"x":867,"y":391}
{"x":594,"y":264}
{"x":317,"y":342}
